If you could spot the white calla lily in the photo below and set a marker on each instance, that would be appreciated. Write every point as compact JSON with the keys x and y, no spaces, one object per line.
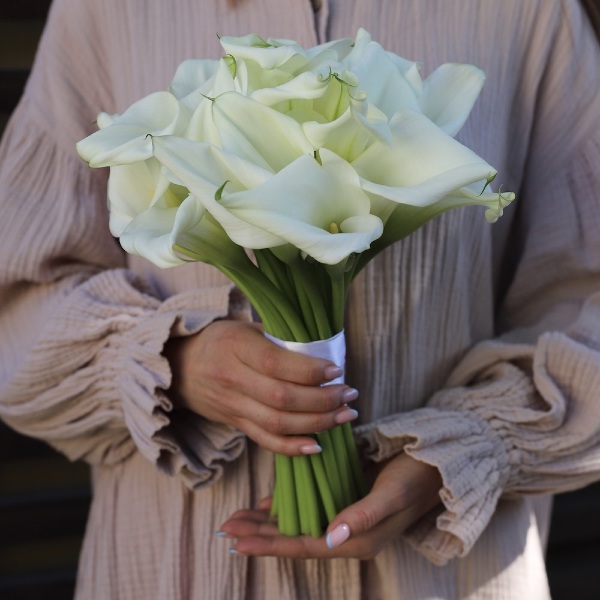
{"x":152,"y":235}
{"x":206,"y":166}
{"x":422,"y":165}
{"x":192,"y":78}
{"x":125,"y":140}
{"x":306,"y":86}
{"x":449,"y":94}
{"x":319,"y":209}
{"x":269,"y":54}
{"x":257,"y":133}
{"x":134,"y":188}
{"x":378,"y":76}
{"x":157,"y":232}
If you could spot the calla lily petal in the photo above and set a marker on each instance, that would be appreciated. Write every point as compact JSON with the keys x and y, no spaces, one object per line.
{"x":242,"y":124}
{"x":132,"y":189}
{"x":423,"y":164}
{"x":206,"y":167}
{"x":192,"y":75}
{"x":151,"y":235}
{"x":203,"y":169}
{"x":324,"y":197}
{"x":449,"y":94}
{"x":268,"y":54}
{"x":126,"y":139}
{"x":379,"y":77}
{"x":307,"y":86}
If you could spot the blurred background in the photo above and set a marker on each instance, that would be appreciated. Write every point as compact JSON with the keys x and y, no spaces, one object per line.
{"x":44,"y":499}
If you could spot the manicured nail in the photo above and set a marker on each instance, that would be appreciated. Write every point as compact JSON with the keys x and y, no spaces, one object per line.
{"x":337,"y":536}
{"x":333,"y":372}
{"x":222,"y":534}
{"x":233,"y":551}
{"x":311,"y":449}
{"x":349,"y":395}
{"x":345,"y":415}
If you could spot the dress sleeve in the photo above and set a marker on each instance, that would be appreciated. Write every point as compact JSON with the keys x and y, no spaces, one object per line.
{"x":80,"y":335}
{"x":519,"y":414}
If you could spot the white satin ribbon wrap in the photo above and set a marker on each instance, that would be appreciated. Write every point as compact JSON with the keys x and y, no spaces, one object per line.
{"x":333,"y":349}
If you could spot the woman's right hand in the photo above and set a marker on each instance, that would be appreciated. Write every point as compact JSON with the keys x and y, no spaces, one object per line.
{"x":231,"y":373}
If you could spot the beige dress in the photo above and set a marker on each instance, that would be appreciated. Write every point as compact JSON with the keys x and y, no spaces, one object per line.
{"x":476,"y":348}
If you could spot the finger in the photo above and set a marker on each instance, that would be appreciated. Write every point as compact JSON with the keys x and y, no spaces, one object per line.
{"x":279,"y":394}
{"x":279,"y":363}
{"x":287,"y":445}
{"x":405,"y":488}
{"x":285,"y":433}
{"x":265,"y":503}
{"x":250,"y":523}
{"x":360,"y":518}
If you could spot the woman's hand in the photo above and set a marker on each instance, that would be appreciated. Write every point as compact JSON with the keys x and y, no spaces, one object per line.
{"x":230,"y":373}
{"x":404,"y":490}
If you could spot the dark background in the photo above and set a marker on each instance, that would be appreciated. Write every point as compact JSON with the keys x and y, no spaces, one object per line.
{"x":44,"y":499}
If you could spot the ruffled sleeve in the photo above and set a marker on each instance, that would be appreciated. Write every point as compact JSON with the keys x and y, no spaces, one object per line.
{"x":519,"y":414}
{"x":80,"y":335}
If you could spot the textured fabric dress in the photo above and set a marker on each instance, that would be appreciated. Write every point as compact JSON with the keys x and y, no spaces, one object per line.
{"x":475,"y":347}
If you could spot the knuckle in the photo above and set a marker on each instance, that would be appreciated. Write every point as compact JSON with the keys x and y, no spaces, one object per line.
{"x":269,"y":360}
{"x":275,"y":423}
{"x":366,"y":517}
{"x":223,"y":377}
{"x":279,"y":397}
{"x":312,"y":372}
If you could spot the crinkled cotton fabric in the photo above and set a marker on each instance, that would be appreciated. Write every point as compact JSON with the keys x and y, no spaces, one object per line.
{"x":475,"y":347}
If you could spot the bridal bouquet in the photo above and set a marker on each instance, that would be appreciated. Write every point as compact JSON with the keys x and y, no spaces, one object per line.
{"x":316,"y":160}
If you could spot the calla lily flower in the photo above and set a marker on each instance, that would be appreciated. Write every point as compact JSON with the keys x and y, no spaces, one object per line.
{"x":133,"y":188}
{"x":255,"y":132}
{"x":196,"y":79}
{"x":449,"y":94}
{"x":156,"y":233}
{"x":320,"y":209}
{"x":125,"y":140}
{"x":269,"y":54}
{"x":422,"y":166}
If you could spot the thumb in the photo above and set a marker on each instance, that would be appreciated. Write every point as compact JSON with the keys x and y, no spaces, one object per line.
{"x":404,"y":487}
{"x":360,"y":517}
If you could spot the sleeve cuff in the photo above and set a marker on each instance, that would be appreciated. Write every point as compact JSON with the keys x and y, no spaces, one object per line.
{"x":473,"y":463}
{"x":177,"y":441}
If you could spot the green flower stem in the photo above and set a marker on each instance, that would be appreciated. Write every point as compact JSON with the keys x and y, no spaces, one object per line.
{"x":331,"y":469}
{"x":306,"y":308}
{"x":310,"y":504}
{"x":314,"y":303}
{"x":302,"y":494}
{"x":277,"y":272}
{"x":339,"y":292}
{"x":355,"y":462}
{"x":278,"y":315}
{"x":275,"y":499}
{"x":287,"y":510}
{"x":349,"y":492}
{"x":328,"y":503}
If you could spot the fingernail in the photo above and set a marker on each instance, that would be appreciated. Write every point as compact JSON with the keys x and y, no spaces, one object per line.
{"x":345,"y":415}
{"x":337,"y":536}
{"x":311,"y":449}
{"x":349,"y":395}
{"x":233,"y":551}
{"x":222,"y":534}
{"x":333,"y":372}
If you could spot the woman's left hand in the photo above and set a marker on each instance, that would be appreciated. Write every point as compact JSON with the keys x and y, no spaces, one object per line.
{"x":403,"y":491}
